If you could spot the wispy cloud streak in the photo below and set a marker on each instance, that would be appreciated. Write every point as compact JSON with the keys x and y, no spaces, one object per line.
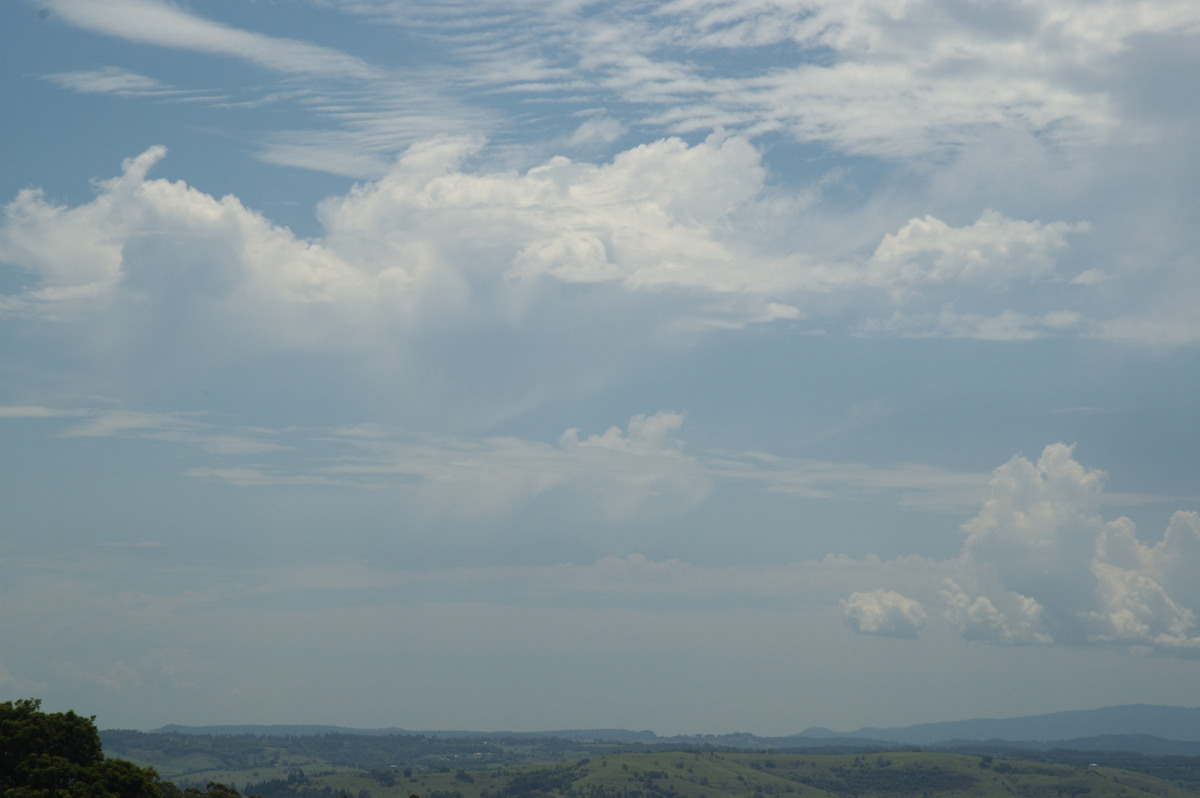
{"x":166,"y":25}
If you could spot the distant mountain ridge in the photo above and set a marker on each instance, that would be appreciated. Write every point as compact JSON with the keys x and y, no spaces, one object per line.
{"x":1165,"y":722}
{"x":310,"y":730}
{"x":272,"y":730}
{"x":1143,"y":728}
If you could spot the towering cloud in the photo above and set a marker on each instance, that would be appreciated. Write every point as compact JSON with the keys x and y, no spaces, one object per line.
{"x":1040,"y":564}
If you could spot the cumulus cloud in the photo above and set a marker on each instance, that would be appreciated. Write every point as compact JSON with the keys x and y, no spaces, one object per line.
{"x":678,"y":241}
{"x":883,"y":612}
{"x":1041,"y":565}
{"x":155,"y":259}
{"x":892,"y":80}
{"x":643,"y":433}
{"x":978,"y":618}
{"x":993,"y":251}
{"x":649,"y":220}
{"x":393,"y":249}
{"x":434,"y":241}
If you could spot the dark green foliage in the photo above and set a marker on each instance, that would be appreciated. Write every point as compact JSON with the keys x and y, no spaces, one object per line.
{"x":32,"y":740}
{"x":270,"y":788}
{"x":387,"y":778}
{"x":58,"y":755}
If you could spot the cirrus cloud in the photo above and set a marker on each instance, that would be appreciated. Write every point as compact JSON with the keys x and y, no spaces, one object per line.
{"x":166,"y":25}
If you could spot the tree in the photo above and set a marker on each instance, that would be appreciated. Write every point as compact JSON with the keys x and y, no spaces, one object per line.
{"x":58,"y":755}
{"x":27,"y":734}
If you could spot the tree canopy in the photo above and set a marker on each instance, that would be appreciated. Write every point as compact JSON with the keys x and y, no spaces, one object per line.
{"x":58,"y":755}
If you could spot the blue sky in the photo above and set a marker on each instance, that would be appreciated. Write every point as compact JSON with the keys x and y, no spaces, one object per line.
{"x":699,"y":366}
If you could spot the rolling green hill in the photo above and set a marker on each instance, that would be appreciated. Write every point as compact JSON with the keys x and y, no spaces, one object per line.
{"x":401,"y":766}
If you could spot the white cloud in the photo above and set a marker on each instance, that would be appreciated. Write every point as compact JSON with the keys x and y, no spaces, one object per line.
{"x":884,"y":78}
{"x":146,"y":255}
{"x":1090,"y":277}
{"x":180,"y":428}
{"x":649,"y":220}
{"x":1166,"y":329}
{"x":255,"y":476}
{"x":1133,"y":608}
{"x":883,"y":612}
{"x":361,"y":133}
{"x":645,"y":221}
{"x":112,"y":80}
{"x":621,"y":473}
{"x":34,"y":411}
{"x":166,"y":25}
{"x":1007,"y":325}
{"x":114,"y":423}
{"x":978,"y":618}
{"x":1148,"y":594}
{"x":916,"y":484}
{"x":645,"y":433}
{"x":410,"y":270}
{"x":1041,"y":565}
{"x":598,"y":129}
{"x":676,"y":240}
{"x":528,"y":236}
{"x":897,"y":81}
{"x":665,"y":217}
{"x":642,"y":468}
{"x":993,"y":251}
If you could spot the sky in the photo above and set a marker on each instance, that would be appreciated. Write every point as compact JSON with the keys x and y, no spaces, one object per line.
{"x":699,"y":366}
